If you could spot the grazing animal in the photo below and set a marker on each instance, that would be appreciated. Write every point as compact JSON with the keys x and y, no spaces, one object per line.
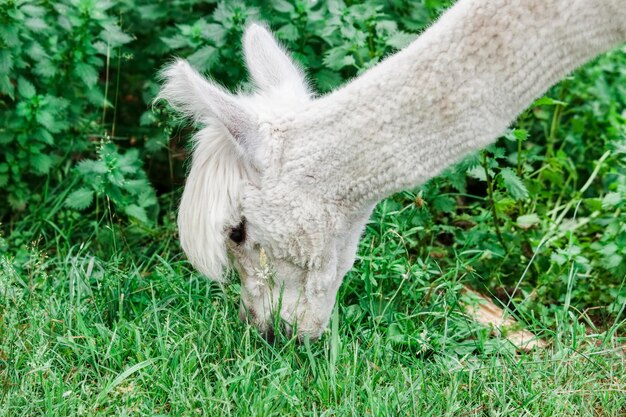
{"x":282,"y":183}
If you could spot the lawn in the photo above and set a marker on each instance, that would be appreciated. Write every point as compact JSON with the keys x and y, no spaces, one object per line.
{"x":137,"y":332}
{"x":101,"y":314}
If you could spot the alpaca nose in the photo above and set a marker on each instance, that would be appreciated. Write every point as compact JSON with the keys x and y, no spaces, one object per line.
{"x":269,"y":335}
{"x":243,"y":316}
{"x":246,"y":315}
{"x":276,"y":331}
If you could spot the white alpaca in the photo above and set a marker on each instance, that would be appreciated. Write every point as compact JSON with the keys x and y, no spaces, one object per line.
{"x":285,"y":182}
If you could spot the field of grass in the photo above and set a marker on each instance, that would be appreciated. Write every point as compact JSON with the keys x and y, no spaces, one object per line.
{"x":137,"y":332}
{"x":101,"y":315}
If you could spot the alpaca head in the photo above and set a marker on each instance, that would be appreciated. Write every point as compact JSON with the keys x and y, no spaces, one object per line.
{"x":244,"y":207}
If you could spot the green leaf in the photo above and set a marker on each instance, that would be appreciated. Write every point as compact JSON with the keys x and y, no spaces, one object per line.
{"x":520,"y":134}
{"x":116,"y":178}
{"x":25,"y":88}
{"x":608,"y":249}
{"x":86,"y":73}
{"x":338,"y":57}
{"x":548,"y":101}
{"x":336,"y":7}
{"x":396,"y":333}
{"x":444,"y":203}
{"x":283,"y":6}
{"x":41,"y":163}
{"x":611,"y":200}
{"x":203,"y":58}
{"x":515,"y":135}
{"x":17,"y":201}
{"x":156,"y":143}
{"x":137,"y":186}
{"x":152,"y":11}
{"x":6,"y":61}
{"x":6,"y":87}
{"x":35,"y":24}
{"x":593,"y":204}
{"x":96,"y":97}
{"x":214,"y":32}
{"x":148,"y":198}
{"x":10,"y":35}
{"x":558,"y":257}
{"x":42,"y":135}
{"x":45,"y":68}
{"x":176,"y":42}
{"x":102,"y":395}
{"x":504,"y":204}
{"x":513,"y":184}
{"x":80,"y":199}
{"x":33,"y":10}
{"x":89,"y":166}
{"x":113,"y":35}
{"x":327,"y":79}
{"x":147,"y":118}
{"x":478,"y":173}
{"x":36,"y":52}
{"x":497,"y":153}
{"x":46,"y":119}
{"x":129,"y":163}
{"x":388,"y":27}
{"x":614,"y":261}
{"x":288,"y":32}
{"x":139,"y":213}
{"x":400,"y":39}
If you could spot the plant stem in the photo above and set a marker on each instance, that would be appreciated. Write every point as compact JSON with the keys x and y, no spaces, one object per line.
{"x":494,"y":211}
{"x":556,"y":118}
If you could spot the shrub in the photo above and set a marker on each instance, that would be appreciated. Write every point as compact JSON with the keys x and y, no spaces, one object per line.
{"x":54,"y":64}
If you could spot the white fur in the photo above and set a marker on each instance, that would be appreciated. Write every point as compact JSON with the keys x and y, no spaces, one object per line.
{"x":210,"y":201}
{"x":305,"y":173}
{"x":271,"y":69}
{"x":189,"y":93}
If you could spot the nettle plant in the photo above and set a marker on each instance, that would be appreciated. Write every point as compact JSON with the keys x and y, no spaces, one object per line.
{"x":332,"y":39}
{"x":54,"y":97}
{"x":120,"y":178}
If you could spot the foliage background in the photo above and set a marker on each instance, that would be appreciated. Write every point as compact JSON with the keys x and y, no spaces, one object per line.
{"x":90,"y":174}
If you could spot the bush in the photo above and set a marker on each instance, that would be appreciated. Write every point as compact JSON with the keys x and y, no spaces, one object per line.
{"x":53,"y":58}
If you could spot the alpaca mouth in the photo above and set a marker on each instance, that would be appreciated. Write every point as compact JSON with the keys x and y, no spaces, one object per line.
{"x":269,"y":329}
{"x":283,"y":319}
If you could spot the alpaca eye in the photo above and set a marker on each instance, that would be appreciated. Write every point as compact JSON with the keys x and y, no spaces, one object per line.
{"x":238,"y":233}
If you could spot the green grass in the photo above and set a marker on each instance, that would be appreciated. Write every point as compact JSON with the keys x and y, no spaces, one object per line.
{"x":121,"y":325}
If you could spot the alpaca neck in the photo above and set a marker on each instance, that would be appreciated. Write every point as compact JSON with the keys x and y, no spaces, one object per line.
{"x":452,"y":91}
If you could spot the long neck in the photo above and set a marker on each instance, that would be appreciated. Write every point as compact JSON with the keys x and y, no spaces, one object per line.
{"x":453,"y":91}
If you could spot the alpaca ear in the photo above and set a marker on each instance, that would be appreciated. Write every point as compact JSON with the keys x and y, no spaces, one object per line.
{"x":269,"y":65}
{"x":197,"y":98}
